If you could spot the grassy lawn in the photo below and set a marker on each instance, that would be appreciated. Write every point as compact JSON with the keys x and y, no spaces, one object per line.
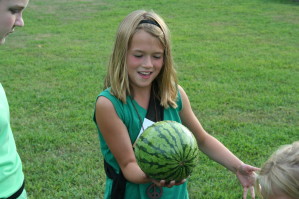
{"x":237,"y":60}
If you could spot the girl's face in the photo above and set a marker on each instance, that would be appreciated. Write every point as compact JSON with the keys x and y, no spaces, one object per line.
{"x":10,"y":16}
{"x":144,"y":59}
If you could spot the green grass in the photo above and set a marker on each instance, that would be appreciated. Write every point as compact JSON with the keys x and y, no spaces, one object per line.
{"x":237,"y":60}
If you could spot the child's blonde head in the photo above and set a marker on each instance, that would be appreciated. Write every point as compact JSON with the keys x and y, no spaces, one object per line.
{"x":117,"y":75}
{"x":280,"y":173}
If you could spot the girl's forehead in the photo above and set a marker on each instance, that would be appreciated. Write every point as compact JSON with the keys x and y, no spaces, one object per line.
{"x":143,"y":38}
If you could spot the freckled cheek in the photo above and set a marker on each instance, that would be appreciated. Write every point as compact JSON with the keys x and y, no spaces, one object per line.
{"x":158,"y":63}
{"x":133,"y":61}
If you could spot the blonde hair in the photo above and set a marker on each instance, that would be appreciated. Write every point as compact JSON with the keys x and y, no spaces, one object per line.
{"x":117,"y":74}
{"x":280,"y":173}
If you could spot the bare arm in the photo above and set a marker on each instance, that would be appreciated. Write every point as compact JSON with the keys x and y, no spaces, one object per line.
{"x":117,"y":138}
{"x":207,"y":143}
{"x":215,"y":149}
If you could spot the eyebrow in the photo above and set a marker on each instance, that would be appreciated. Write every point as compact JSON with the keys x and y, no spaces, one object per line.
{"x":141,"y":51}
{"x":19,"y":7}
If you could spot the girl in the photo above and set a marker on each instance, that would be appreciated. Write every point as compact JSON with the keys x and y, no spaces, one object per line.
{"x":279,"y":176}
{"x":141,"y":85}
{"x":11,"y":174}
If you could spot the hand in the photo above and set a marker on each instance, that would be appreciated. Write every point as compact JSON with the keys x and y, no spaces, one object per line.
{"x":163,"y":183}
{"x":246,"y":175}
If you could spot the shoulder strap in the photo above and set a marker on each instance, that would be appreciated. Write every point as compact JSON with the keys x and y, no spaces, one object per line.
{"x":119,"y":182}
{"x":155,"y":112}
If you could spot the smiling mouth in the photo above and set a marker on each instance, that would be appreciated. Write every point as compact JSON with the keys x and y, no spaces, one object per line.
{"x":145,"y":73}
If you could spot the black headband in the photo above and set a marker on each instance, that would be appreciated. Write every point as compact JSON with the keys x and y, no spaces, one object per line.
{"x":150,"y":22}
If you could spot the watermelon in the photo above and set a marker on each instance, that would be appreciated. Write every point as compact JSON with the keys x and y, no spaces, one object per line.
{"x":166,"y":150}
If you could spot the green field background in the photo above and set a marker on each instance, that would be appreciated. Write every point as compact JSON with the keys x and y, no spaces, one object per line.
{"x":237,"y":60}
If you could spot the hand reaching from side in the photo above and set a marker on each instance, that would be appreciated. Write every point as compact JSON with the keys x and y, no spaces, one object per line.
{"x":246,"y":175}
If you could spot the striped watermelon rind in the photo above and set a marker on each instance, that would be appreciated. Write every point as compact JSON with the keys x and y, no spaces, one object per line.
{"x":167,"y":150}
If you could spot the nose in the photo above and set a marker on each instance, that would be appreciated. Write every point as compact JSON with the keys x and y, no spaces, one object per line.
{"x":148,"y":61}
{"x":19,"y":20}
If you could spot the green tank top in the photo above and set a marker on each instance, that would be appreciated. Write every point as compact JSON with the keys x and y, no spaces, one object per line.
{"x":11,"y":174}
{"x":127,"y":113}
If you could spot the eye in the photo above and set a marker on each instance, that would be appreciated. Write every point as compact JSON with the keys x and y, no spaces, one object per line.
{"x":138,"y":55}
{"x":157,"y":56}
{"x":14,"y":11}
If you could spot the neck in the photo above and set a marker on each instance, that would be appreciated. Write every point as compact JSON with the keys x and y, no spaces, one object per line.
{"x":142,"y":96}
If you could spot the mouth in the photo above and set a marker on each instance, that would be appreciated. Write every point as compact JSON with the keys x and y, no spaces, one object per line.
{"x":145,"y":74}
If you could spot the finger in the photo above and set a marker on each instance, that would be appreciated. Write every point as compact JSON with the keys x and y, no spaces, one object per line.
{"x":162,"y":183}
{"x":180,"y":182}
{"x":183,"y":181}
{"x":248,"y":168}
{"x":253,"y":169}
{"x":245,"y":190}
{"x":171,"y":183}
{"x":252,"y":192}
{"x":158,"y":183}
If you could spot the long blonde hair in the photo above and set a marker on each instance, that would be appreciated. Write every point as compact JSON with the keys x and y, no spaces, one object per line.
{"x":280,"y":173}
{"x":117,"y":74}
